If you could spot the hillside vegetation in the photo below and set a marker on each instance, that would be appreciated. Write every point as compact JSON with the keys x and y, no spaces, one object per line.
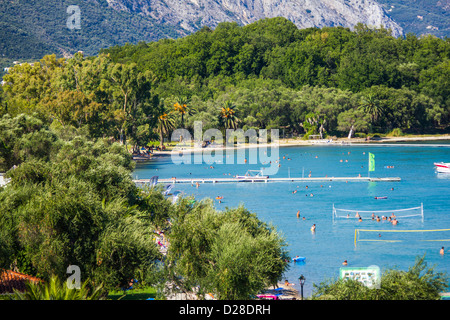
{"x":32,"y":29}
{"x":420,"y":16}
{"x":268,"y":74}
{"x":277,"y":75}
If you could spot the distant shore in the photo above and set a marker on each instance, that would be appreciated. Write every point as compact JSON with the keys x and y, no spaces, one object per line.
{"x":300,"y":142}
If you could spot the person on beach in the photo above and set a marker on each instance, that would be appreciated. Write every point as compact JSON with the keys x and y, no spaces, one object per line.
{"x":287,"y":283}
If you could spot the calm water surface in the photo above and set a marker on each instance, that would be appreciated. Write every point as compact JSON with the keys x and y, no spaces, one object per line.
{"x":333,"y":241}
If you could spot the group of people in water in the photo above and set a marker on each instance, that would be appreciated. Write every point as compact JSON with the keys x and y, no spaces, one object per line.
{"x":313,"y":228}
{"x":392,"y":219}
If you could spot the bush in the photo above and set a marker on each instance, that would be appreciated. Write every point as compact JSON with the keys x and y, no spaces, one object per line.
{"x":418,"y":283}
{"x":397,"y":132}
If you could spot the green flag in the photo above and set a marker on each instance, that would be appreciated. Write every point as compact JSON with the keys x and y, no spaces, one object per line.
{"x":371,"y":162}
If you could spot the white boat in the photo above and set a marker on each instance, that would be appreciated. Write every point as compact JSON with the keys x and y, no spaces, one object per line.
{"x":252,"y":175}
{"x":442,"y":167}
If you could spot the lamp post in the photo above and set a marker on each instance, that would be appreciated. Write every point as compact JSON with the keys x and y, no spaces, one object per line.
{"x":302,"y":280}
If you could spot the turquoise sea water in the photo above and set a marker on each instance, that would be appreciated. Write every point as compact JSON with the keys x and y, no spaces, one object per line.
{"x":333,"y":240}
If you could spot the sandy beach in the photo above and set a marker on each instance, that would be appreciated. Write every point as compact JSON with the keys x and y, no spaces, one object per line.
{"x":288,"y":292}
{"x":189,"y":148}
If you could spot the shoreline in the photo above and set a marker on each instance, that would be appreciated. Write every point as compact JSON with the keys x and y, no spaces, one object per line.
{"x":288,"y":292}
{"x":292,"y":292}
{"x":185,"y":149}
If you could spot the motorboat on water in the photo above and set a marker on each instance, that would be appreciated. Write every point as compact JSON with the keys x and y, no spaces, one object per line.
{"x":442,"y":167}
{"x":252,"y":175}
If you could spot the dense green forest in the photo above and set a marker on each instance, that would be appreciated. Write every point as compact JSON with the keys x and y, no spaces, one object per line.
{"x":268,"y":74}
{"x":278,"y":76}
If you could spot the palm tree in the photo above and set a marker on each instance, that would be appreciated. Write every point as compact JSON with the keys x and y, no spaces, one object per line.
{"x":166,"y":123}
{"x":372,"y":106}
{"x":183,"y":108}
{"x":227,"y":116}
{"x":57,"y":290}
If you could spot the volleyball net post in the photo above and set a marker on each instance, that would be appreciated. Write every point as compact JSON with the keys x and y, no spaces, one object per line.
{"x":421,"y":209}
{"x":334,"y":212}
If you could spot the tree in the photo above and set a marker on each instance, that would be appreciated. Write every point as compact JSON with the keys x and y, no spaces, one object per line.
{"x":166,"y":123}
{"x":57,"y":290}
{"x":227,"y":116}
{"x":124,"y":86}
{"x":418,"y":283}
{"x":26,"y":85}
{"x":371,"y":105}
{"x":21,"y":138}
{"x":435,"y":83}
{"x":76,"y":205}
{"x":314,"y":124}
{"x":353,"y":118}
{"x":182,"y":107}
{"x":232,"y":255}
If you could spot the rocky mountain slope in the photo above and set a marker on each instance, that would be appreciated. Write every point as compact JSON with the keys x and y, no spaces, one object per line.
{"x":192,"y":14}
{"x":31,"y":29}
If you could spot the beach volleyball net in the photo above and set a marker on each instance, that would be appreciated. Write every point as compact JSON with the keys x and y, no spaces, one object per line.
{"x":367,"y":235}
{"x":415,"y":212}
